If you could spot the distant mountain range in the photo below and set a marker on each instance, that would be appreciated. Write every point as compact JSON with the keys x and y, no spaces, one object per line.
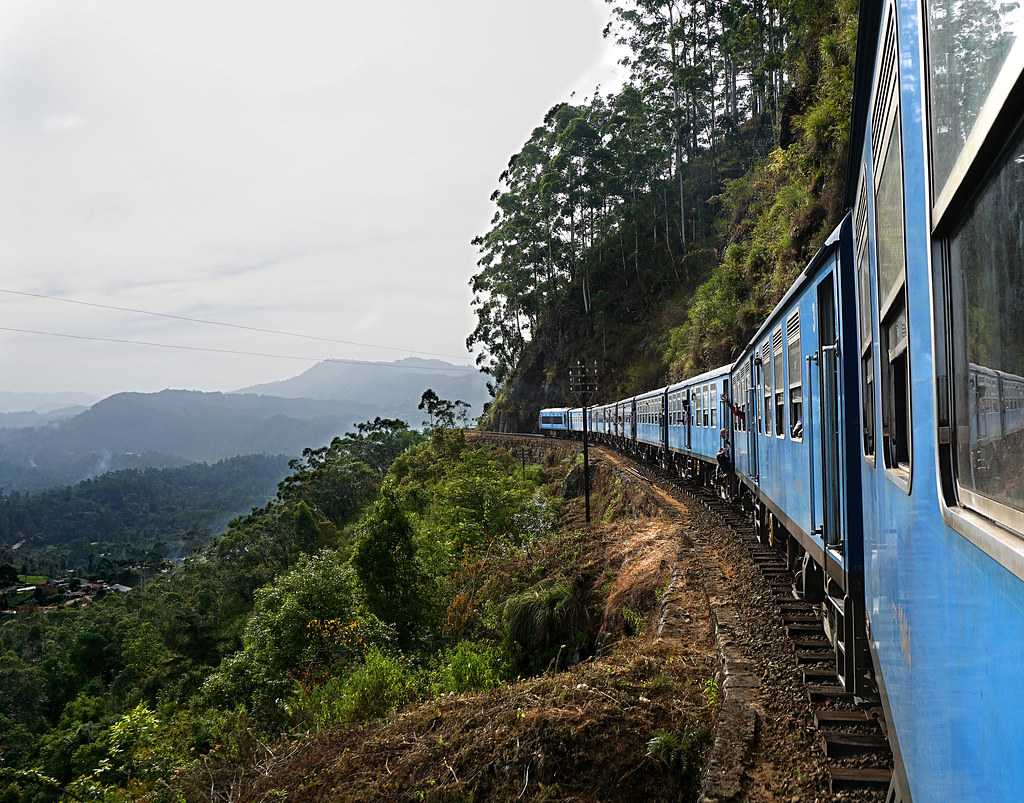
{"x":42,"y":402}
{"x":169,"y":428}
{"x":392,"y":388}
{"x":33,"y":418}
{"x":175,"y":427}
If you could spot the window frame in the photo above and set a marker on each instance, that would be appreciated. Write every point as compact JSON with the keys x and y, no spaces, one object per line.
{"x":767,"y":391}
{"x":778,"y":384}
{"x":886,"y":133}
{"x":865,"y":325}
{"x":996,"y":529}
{"x":798,"y":382}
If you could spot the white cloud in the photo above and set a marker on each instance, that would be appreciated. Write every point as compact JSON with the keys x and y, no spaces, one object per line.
{"x":314,"y":165}
{"x":61,"y":122}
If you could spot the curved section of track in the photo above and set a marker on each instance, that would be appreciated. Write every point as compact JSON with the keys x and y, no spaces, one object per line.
{"x":778,"y":638}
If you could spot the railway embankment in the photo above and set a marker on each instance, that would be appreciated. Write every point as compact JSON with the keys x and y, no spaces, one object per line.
{"x":769,"y":737}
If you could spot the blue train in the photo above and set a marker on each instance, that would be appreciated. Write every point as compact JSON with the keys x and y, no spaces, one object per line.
{"x":874,"y":424}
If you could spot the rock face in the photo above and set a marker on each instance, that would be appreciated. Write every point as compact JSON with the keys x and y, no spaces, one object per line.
{"x":572,"y":485}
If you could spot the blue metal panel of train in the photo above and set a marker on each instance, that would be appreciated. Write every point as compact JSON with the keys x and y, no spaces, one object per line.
{"x":939,"y":211}
{"x":790,"y":428}
{"x":650,"y":408}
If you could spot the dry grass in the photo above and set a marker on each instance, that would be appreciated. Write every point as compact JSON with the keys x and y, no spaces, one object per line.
{"x":644,"y":558}
{"x":575,"y":735}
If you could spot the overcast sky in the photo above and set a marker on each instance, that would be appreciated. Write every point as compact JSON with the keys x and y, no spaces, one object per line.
{"x":308,"y":165}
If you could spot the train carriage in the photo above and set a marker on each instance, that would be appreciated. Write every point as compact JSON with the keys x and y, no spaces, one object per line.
{"x":935,"y":183}
{"x":793,"y":431}
{"x":553,"y":420}
{"x":650,"y":423}
{"x":697,"y":416}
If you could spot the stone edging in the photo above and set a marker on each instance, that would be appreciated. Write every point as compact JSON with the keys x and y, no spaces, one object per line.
{"x":736,"y":726}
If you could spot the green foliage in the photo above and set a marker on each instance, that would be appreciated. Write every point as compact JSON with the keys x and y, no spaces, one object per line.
{"x":680,"y":752}
{"x":711,"y":692}
{"x":126,"y":517}
{"x":311,"y":622}
{"x":384,"y":558}
{"x":107,"y":700}
{"x":547,"y":625}
{"x":653,"y":227}
{"x":372,"y":690}
{"x":470,"y":666}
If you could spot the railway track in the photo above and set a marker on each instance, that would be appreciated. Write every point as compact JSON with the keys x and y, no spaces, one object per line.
{"x":851,"y":731}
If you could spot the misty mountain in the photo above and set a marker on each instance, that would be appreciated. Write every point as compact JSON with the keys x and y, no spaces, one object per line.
{"x":33,"y":418}
{"x":11,"y":402}
{"x":165,"y":429}
{"x":393,"y":389}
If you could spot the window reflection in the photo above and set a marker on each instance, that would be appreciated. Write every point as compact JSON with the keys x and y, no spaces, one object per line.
{"x":889,"y":219}
{"x":968,"y":42}
{"x":987,"y":261}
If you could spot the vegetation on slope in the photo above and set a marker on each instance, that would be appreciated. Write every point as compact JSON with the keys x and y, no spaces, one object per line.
{"x":549,"y":679}
{"x":392,"y":571}
{"x":652,"y":228}
{"x":133,"y":515}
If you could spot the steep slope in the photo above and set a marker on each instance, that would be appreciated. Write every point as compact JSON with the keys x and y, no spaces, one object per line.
{"x":651,"y":229}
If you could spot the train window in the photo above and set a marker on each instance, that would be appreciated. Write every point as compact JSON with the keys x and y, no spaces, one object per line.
{"x":970,"y":49}
{"x":987,"y":277}
{"x":780,"y":407}
{"x":890,"y":257}
{"x":796,"y":396}
{"x":864,"y":308}
{"x":766,"y":367}
{"x":713,"y":404}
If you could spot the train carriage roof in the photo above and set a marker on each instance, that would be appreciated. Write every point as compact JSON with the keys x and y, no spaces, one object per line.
{"x":714,"y":373}
{"x":650,"y":393}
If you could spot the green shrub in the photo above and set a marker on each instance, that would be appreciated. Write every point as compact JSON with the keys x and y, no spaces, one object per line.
{"x":470,"y":666}
{"x":547,"y":624}
{"x":373,"y":690}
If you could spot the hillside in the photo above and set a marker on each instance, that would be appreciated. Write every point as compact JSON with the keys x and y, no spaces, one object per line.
{"x":392,"y":571}
{"x":169,"y":428}
{"x":14,"y":402}
{"x":652,"y":228}
{"x":393,"y":389}
{"x":153,"y":512}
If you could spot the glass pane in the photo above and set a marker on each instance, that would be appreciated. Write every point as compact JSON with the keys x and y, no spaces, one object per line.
{"x":864,"y":284}
{"x":986,"y":259}
{"x":889,"y":219}
{"x":968,"y":43}
{"x":795,"y":373}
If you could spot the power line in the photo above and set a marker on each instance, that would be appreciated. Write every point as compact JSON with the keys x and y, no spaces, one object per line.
{"x":208,"y":322}
{"x":212,"y":350}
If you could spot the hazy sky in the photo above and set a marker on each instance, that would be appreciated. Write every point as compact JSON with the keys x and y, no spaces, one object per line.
{"x":309,"y":165}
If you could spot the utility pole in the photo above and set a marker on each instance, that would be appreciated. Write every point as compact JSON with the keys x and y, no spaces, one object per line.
{"x":583,"y":382}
